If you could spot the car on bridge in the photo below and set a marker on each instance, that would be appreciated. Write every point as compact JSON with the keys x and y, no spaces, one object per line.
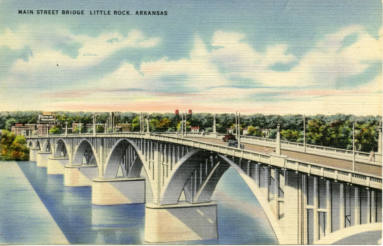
{"x":228,"y":137}
{"x":234,"y":143}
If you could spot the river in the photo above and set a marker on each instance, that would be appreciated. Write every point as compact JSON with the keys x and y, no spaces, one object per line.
{"x":36,"y":208}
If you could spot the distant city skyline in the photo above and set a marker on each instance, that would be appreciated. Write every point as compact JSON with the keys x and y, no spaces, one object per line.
{"x":269,"y":57}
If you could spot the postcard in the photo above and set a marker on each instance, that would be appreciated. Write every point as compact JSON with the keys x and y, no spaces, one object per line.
{"x":191,"y":122}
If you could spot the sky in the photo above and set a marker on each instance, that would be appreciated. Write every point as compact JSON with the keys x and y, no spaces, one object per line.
{"x":270,"y":57}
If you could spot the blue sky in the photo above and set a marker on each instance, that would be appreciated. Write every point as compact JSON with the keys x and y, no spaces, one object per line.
{"x":212,"y":56}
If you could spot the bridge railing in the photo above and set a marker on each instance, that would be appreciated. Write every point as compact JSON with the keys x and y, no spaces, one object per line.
{"x":295,"y":146}
{"x":316,"y":149}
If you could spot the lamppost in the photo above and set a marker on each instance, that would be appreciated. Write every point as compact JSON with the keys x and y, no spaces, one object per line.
{"x":238,"y":128}
{"x":380,"y":138}
{"x":94,"y":124}
{"x":185,"y":127}
{"x":147,"y":125}
{"x":214,"y":125}
{"x":142,"y":127}
{"x":182,"y":124}
{"x":304,"y":133}
{"x":278,"y":141}
{"x":353,"y":146}
{"x":66,"y":128}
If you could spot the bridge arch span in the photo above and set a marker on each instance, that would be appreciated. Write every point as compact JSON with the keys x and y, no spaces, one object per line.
{"x":46,"y":146}
{"x":37,"y":145}
{"x":61,"y":148}
{"x":114,"y":157}
{"x":84,"y":154}
{"x":175,"y":183}
{"x":336,"y":236}
{"x":202,"y":191}
{"x":251,"y":183}
{"x":138,"y":162}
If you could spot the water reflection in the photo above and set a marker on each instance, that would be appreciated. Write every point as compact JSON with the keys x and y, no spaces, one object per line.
{"x":240,"y":220}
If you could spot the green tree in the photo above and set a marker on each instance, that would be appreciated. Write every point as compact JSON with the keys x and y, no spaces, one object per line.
{"x":290,"y":135}
{"x":9,"y":123}
{"x":136,"y":124}
{"x":54,"y":130}
{"x":13,"y":147}
{"x":100,"y":128}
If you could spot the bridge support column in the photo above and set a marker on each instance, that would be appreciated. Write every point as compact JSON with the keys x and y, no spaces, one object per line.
{"x":356,"y":206}
{"x":112,"y":191}
{"x":342,"y":208}
{"x":42,"y":159}
{"x":33,"y":154}
{"x":373,"y":207}
{"x":316,"y":225}
{"x":328,"y":207}
{"x":292,"y":208}
{"x":180,"y":222}
{"x":56,"y":165}
{"x":77,"y":175}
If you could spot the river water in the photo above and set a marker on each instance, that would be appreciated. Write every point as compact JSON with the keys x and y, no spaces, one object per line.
{"x":36,"y":208}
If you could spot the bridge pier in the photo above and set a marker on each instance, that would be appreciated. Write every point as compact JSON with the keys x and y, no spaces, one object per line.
{"x":33,"y":154}
{"x":112,"y":191}
{"x":42,"y":158}
{"x":180,"y":222}
{"x":56,"y":165}
{"x":79,"y":175}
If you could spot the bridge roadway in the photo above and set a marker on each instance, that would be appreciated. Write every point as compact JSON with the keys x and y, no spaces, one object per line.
{"x":308,"y":157}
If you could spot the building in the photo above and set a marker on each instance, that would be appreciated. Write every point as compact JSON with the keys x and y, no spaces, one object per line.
{"x":123,"y":127}
{"x":194,"y":129}
{"x":245,"y":131}
{"x":42,"y":129}
{"x":47,"y":118}
{"x":24,"y":130}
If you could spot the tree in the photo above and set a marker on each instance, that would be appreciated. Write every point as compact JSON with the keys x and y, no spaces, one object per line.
{"x":100,"y":128}
{"x":55,"y":130}
{"x":290,"y":135}
{"x":9,"y":123}
{"x":136,"y":124}
{"x":13,"y":147}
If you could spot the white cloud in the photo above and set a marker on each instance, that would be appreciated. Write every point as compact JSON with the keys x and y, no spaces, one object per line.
{"x":323,"y":65}
{"x":195,"y":72}
{"x":205,"y":80}
{"x":49,"y":64}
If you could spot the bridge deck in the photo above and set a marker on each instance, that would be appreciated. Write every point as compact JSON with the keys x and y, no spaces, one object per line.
{"x":309,"y":157}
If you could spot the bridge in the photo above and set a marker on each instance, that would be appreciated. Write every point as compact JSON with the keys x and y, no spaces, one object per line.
{"x":310,"y":194}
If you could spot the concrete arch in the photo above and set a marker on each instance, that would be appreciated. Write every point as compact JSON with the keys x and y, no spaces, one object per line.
{"x":114,"y":153}
{"x":113,"y":159}
{"x":336,"y":236}
{"x":275,"y":224}
{"x":176,"y":182}
{"x":47,"y":146}
{"x":208,"y":187}
{"x":185,"y":166}
{"x":80,"y":149}
{"x":61,"y":148}
{"x":37,"y":145}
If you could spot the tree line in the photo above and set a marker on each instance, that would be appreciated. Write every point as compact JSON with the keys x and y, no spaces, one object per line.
{"x":327,"y":130}
{"x":13,"y":147}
